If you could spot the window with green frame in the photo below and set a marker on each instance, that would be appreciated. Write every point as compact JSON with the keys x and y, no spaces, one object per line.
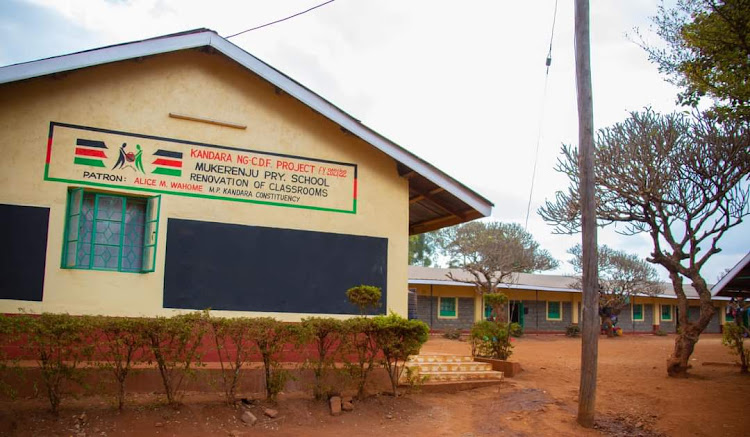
{"x":487,"y":312}
{"x":666,"y":312}
{"x":110,"y":232}
{"x":637,"y":312}
{"x":553,"y":310}
{"x":447,"y":307}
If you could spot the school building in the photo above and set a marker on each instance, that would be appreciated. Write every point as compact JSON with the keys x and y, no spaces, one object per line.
{"x":183,"y":173}
{"x":541,"y":304}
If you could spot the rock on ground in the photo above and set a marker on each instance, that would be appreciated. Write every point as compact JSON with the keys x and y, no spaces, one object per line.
{"x":335,"y":405}
{"x":249,"y":418}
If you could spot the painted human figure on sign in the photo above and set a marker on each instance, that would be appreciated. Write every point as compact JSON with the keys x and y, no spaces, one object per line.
{"x":139,"y":159}
{"x":130,"y":159}
{"x":122,"y":158}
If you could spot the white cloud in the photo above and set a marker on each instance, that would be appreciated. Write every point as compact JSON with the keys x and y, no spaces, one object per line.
{"x":460,"y":84}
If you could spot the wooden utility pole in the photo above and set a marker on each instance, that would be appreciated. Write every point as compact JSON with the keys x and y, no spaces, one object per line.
{"x":590,"y":281}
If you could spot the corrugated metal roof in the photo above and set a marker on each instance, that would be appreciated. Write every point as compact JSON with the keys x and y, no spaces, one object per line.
{"x":437,"y":200}
{"x":521,"y":281}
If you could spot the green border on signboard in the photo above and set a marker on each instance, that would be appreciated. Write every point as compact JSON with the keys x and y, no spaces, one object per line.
{"x":53,"y":124}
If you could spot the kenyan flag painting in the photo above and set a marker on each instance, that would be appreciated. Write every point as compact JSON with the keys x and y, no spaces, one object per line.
{"x":90,"y":152}
{"x":168,"y":163}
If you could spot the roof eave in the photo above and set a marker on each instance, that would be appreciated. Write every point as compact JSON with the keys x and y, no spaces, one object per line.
{"x":105,"y":55}
{"x":190,"y":40}
{"x":716,"y":289}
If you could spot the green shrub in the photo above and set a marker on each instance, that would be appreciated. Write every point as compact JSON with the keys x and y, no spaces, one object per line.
{"x":121,"y":341}
{"x":397,"y":338}
{"x":490,"y":339}
{"x":359,"y":340}
{"x":516,"y":331}
{"x":60,"y":344}
{"x":234,"y":347}
{"x":326,"y":334}
{"x":413,"y":379}
{"x":452,"y":334}
{"x":174,"y":344}
{"x":12,"y":330}
{"x":364,"y":297}
{"x":573,"y":331}
{"x":270,"y":336}
{"x":734,"y":338}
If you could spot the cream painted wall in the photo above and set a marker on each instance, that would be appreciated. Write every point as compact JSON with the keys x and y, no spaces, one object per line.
{"x":137,"y":96}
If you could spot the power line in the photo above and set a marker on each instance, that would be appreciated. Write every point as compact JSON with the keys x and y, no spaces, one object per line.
{"x":280,"y":20}
{"x":541,"y":115}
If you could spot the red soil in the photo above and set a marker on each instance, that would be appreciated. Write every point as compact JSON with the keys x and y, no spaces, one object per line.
{"x":635,"y":397}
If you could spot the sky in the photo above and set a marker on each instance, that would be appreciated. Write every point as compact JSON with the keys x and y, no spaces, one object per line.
{"x":459,"y":84}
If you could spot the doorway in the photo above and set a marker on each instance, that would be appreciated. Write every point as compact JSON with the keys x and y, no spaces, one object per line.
{"x":516,"y":312}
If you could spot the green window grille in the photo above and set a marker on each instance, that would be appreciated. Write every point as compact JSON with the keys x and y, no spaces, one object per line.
{"x":728,"y":316}
{"x":487,"y":312}
{"x":637,"y":311}
{"x":447,"y":307}
{"x":666,"y":312}
{"x":553,"y":310}
{"x":110,"y":232}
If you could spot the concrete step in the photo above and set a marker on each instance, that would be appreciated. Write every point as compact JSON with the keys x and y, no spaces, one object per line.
{"x":454,"y":386}
{"x":461,"y":376}
{"x":463,"y":366}
{"x":450,"y":369}
{"x":440,"y":358}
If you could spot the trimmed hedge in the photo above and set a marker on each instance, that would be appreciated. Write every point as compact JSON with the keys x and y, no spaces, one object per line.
{"x":64,"y":346}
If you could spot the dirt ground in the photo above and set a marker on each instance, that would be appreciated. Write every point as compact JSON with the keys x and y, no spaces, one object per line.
{"x":634,"y":397}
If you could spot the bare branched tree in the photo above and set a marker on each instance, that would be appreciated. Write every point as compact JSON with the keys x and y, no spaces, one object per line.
{"x":622,"y":276}
{"x":491,"y":252}
{"x":681,"y":179}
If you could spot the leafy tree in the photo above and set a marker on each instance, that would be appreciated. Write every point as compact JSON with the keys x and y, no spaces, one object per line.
{"x":422,"y":248}
{"x":707,"y":53}
{"x":491,"y":252}
{"x":621,"y":277}
{"x":496,"y":302}
{"x":682,"y":180}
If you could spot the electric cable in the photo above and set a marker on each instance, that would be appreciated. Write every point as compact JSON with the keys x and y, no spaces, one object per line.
{"x":280,"y":20}
{"x":548,"y":63}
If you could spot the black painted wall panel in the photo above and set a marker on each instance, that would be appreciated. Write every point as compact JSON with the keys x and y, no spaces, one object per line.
{"x":250,"y":268}
{"x":23,"y":233}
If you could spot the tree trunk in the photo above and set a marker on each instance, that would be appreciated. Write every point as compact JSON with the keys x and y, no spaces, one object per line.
{"x":688,"y":332}
{"x":500,"y":313}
